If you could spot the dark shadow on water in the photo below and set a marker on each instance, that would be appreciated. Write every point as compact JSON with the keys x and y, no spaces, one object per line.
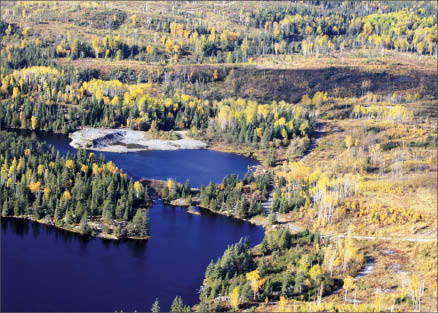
{"x":18,"y":226}
{"x":36,"y":230}
{"x":22,"y":227}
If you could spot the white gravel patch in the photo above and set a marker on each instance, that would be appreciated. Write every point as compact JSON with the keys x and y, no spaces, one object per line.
{"x":125,"y":140}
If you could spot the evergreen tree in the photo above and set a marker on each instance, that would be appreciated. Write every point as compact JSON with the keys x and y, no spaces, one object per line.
{"x":264,"y":248}
{"x":156,"y":306}
{"x":270,"y":158}
{"x":146,"y":194}
{"x":84,"y":228}
{"x":139,"y":224}
{"x":273,"y":218}
{"x":178,"y":306}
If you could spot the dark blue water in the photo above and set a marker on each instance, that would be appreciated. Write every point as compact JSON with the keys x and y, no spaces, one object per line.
{"x":199,"y":166}
{"x":47,"y":269}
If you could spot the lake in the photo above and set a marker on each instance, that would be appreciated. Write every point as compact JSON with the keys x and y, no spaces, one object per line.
{"x":47,"y":269}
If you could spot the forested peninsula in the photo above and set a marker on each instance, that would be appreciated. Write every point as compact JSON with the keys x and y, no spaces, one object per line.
{"x":78,"y":192}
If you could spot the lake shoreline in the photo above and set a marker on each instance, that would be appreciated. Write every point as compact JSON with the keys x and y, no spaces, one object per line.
{"x":213,"y":146}
{"x":174,"y":205}
{"x":177,"y":234}
{"x":72,"y":230}
{"x":251,"y":221}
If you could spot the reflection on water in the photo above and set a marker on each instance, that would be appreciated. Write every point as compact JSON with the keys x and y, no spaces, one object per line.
{"x":48,"y":267}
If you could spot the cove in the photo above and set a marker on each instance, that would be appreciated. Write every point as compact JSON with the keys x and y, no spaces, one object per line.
{"x":47,"y":269}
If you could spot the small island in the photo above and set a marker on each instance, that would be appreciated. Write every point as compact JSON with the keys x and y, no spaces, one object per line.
{"x":126,"y":140}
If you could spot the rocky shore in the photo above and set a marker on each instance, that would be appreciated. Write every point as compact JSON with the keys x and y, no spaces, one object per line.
{"x":126,"y":140}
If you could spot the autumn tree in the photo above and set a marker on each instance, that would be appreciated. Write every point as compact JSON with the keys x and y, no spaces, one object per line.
{"x":348,"y":285}
{"x":283,"y":303}
{"x":256,"y":281}
{"x":34,"y":122}
{"x":234,"y":296}
{"x":138,"y":187}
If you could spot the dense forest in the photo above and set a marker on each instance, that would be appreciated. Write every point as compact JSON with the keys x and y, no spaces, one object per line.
{"x":295,"y":266}
{"x":319,"y":27}
{"x":78,"y":192}
{"x":242,"y":198}
{"x":46,"y":98}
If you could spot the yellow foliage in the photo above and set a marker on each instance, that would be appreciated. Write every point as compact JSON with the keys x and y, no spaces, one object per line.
{"x":33,"y":122}
{"x":150,"y":50}
{"x":37,"y":73}
{"x":234,"y":296}
{"x":138,"y":187}
{"x":40,"y":169}
{"x":15,"y":92}
{"x":70,"y":164}
{"x":349,"y":141}
{"x":66,"y":195}
{"x":95,"y":168}
{"x":46,"y":193}
{"x":34,"y":186}
{"x":170,"y":183}
{"x":283,"y":303}
{"x":111,"y":167}
{"x":256,"y":281}
{"x":259,"y":132}
{"x":349,"y":283}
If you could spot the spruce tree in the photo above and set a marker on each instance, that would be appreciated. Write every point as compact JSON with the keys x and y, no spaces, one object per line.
{"x":84,"y":228}
{"x":156,"y":306}
{"x":140,"y":223}
{"x":178,"y":306}
{"x":5,"y":208}
{"x":146,"y":194}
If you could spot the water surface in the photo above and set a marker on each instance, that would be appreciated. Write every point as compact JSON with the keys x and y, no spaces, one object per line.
{"x":199,"y":166}
{"x":47,"y":269}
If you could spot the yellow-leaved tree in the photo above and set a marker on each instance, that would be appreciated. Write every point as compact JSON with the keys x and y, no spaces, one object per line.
{"x":234,"y":298}
{"x":349,"y":141}
{"x":170,"y":183}
{"x":66,"y":195}
{"x":46,"y":192}
{"x":283,"y":303}
{"x":33,"y":122}
{"x":138,"y":187}
{"x":256,"y":281}
{"x":316,"y":273}
{"x":70,"y":164}
{"x":34,"y":186}
{"x":40,"y":169}
{"x":348,"y":285}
